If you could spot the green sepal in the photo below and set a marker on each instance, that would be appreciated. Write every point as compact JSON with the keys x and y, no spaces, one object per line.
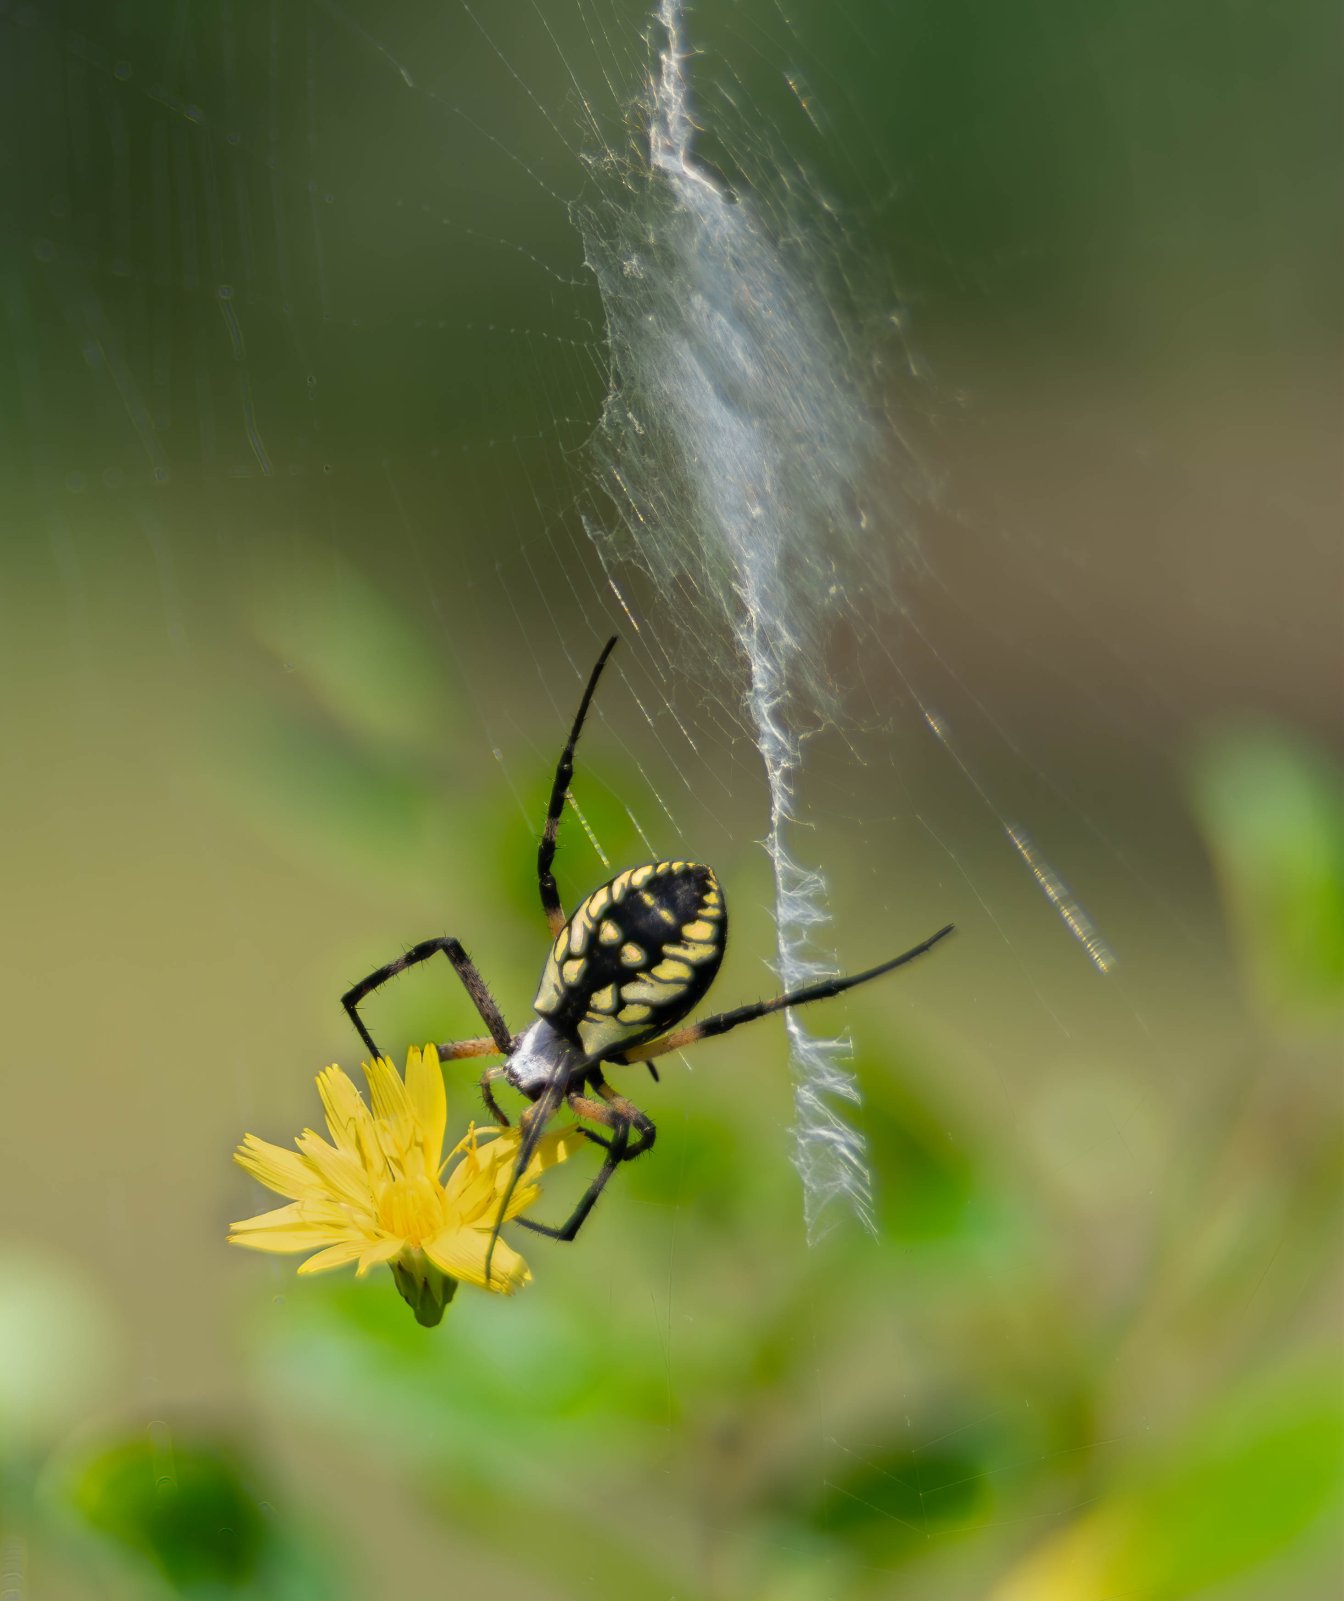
{"x":424,"y":1289}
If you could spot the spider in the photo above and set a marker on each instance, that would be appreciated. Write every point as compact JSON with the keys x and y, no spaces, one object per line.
{"x":631,"y":962}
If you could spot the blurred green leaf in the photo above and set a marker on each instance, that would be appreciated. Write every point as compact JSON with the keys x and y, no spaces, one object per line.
{"x":1248,"y":1480}
{"x":1273,"y":814}
{"x":897,"y":1498}
{"x":189,"y":1508}
{"x":927,"y":1187}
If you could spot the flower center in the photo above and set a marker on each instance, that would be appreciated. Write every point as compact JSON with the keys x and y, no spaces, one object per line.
{"x":412,"y":1209}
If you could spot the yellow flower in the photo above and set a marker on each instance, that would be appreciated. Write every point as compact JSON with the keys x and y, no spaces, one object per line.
{"x":378,"y":1193}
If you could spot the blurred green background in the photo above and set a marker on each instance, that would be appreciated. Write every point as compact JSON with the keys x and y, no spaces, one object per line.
{"x":300,"y":361}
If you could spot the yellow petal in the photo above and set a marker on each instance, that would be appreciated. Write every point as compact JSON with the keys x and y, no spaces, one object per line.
{"x":341,"y":1172}
{"x":267,"y":1233}
{"x":283,"y":1171}
{"x":478,"y":1184}
{"x":557,"y":1146}
{"x":380,"y":1251}
{"x":429,"y":1103}
{"x":461,"y":1254}
{"x":350,"y":1121}
{"x":523,"y":1197}
{"x":279,"y":1217}
{"x":465,"y":1177}
{"x":334,"y":1256}
{"x":479,"y":1136}
{"x":478,"y":1198}
{"x":477,"y":1174}
{"x":331,"y":1215}
{"x":391,"y":1105}
{"x":479,"y":1202}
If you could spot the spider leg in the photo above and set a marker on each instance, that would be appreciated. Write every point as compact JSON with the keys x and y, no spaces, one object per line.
{"x":620,"y":1116}
{"x":472,"y":982}
{"x":488,"y":1096}
{"x":615,"y":1156}
{"x":531,"y":1125}
{"x":721,"y":1022}
{"x":455,"y":1050}
{"x":617,"y":1109}
{"x":550,"y":894}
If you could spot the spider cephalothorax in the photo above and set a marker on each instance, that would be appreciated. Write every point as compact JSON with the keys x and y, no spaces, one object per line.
{"x":631,"y":962}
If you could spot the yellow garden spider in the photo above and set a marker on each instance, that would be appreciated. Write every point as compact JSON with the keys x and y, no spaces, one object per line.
{"x":635,"y":957}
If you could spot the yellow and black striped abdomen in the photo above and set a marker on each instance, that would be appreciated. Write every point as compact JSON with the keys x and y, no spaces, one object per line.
{"x":635,"y":957}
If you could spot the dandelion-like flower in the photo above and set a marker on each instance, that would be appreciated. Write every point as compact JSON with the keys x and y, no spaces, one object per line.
{"x":378,"y":1193}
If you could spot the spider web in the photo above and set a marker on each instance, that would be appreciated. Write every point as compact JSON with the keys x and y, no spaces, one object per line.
{"x":542,"y":322}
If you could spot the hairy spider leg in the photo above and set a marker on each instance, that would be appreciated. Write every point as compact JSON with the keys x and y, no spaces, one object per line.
{"x":488,"y":1096}
{"x":564,"y":772}
{"x":463,"y":966}
{"x":455,"y":1050}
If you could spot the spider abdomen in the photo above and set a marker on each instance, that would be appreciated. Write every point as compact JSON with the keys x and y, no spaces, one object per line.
{"x":636,"y":956}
